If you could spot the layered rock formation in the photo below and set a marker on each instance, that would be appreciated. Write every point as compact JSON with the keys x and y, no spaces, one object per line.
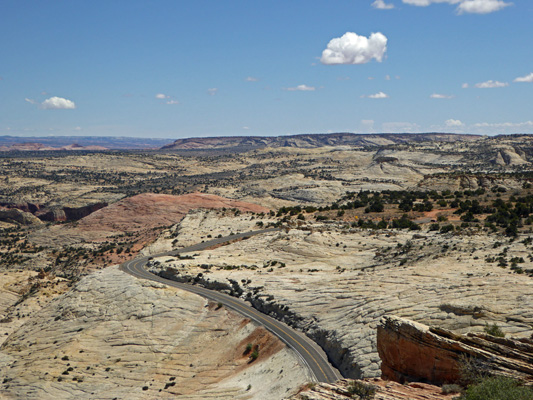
{"x":114,"y":336}
{"x":411,"y":351}
{"x":343,"y":390}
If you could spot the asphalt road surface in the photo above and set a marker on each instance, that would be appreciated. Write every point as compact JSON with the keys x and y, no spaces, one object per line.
{"x":309,"y":352}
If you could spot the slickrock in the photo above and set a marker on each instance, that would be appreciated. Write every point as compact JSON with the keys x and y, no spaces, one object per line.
{"x":336,"y":285}
{"x":412,"y":351}
{"x":114,"y":336}
{"x":384,"y":391}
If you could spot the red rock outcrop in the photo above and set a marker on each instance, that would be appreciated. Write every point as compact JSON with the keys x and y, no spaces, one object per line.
{"x":149,"y":210}
{"x":411,"y":351}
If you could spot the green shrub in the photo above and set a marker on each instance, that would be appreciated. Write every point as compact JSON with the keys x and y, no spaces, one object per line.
{"x":493,"y":330}
{"x":254,"y":355}
{"x":365,"y":391}
{"x":498,"y":388}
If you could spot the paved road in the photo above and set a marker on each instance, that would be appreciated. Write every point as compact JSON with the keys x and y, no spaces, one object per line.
{"x":311,"y":354}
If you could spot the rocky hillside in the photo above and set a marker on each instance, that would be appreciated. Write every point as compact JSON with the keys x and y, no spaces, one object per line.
{"x":114,"y":336}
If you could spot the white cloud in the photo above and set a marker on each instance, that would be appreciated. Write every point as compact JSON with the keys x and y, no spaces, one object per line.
{"x":425,"y":3}
{"x":246,"y":128}
{"x":453,"y":123}
{"x":78,"y":128}
{"x":465,"y":6}
{"x":251,"y":79}
{"x":351,"y":48}
{"x":502,"y":127}
{"x":381,"y":5}
{"x":505,"y":125}
{"x":173,"y":102}
{"x":58,"y":103}
{"x":379,"y":95}
{"x":367,"y":125}
{"x":441,"y":96}
{"x":212,"y":91}
{"x":400,"y":127}
{"x":31,"y":101}
{"x":301,"y":88}
{"x":162,"y":96}
{"x":527,"y":78}
{"x":491,"y":84}
{"x":481,"y":6}
{"x":465,"y":86}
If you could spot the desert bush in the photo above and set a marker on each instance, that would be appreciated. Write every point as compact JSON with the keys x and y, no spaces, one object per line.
{"x":493,"y":330}
{"x":365,"y":391}
{"x":451,"y":388}
{"x":497,"y":388}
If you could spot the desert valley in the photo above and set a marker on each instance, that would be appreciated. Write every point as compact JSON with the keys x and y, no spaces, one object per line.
{"x":406,"y":259}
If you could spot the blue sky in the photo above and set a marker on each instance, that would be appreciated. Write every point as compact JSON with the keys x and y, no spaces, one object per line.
{"x":177,"y":68}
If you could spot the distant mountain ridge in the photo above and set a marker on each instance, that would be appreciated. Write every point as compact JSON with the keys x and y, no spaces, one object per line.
{"x":313,"y":140}
{"x":36,"y":143}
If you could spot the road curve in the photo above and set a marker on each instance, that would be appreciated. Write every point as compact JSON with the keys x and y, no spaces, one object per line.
{"x":309,"y":352}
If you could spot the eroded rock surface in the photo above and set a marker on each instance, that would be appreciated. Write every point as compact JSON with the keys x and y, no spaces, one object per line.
{"x":412,"y":351}
{"x":336,"y":285}
{"x":113,"y":336}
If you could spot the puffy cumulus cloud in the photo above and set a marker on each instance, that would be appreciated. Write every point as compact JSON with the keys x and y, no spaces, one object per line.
{"x":381,"y":5}
{"x":481,"y":6}
{"x":465,"y":6}
{"x":491,"y":84}
{"x":351,"y":48}
{"x":379,"y":95}
{"x":453,"y":123}
{"x":441,"y":96}
{"x":58,"y":103}
{"x":527,"y":78}
{"x":301,"y":88}
{"x":162,"y":96}
{"x":212,"y":91}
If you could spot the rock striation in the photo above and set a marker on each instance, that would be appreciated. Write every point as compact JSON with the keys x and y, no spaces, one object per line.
{"x":411,"y":351}
{"x":383,"y":391}
{"x":114,"y":336}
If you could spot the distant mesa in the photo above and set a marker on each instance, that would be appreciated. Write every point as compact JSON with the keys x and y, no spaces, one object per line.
{"x":312,"y":140}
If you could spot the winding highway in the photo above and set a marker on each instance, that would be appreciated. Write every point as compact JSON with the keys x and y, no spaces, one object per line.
{"x":308,"y":351}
